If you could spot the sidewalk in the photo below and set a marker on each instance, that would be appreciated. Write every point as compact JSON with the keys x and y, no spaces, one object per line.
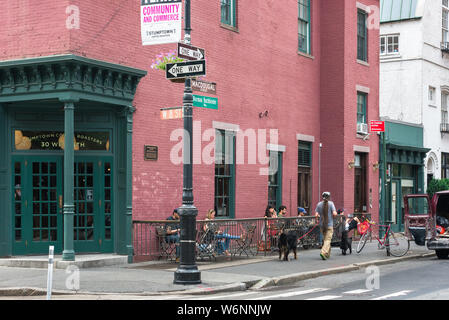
{"x":155,"y":278}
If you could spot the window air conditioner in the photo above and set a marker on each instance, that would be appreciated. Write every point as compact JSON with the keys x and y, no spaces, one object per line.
{"x":362,"y":128}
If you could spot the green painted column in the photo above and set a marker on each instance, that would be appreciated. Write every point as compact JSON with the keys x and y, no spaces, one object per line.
{"x":68,"y":253}
{"x":129,"y":200}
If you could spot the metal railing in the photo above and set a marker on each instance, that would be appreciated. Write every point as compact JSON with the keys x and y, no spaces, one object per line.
{"x":233,"y":237}
{"x":444,"y":127}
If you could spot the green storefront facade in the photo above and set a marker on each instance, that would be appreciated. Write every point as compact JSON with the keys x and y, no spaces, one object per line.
{"x":66,"y":161}
{"x":405,"y":154}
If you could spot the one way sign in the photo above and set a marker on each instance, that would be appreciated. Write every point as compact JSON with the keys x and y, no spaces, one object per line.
{"x":185,"y":69}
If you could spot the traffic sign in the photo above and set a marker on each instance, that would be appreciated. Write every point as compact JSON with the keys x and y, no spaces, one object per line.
{"x":204,"y":86}
{"x":377,"y":126}
{"x":205,"y":102}
{"x":172,"y":113}
{"x":185,"y":69}
{"x":189,"y":52}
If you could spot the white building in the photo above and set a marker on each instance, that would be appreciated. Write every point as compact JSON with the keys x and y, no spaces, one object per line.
{"x":414,"y":74}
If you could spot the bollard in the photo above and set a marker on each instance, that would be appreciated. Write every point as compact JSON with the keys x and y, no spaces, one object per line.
{"x":50,"y":271}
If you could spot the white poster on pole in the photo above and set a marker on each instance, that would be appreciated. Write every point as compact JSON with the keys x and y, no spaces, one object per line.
{"x":161,"y":21}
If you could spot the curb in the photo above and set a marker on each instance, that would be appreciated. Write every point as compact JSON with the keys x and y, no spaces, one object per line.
{"x":282,"y":280}
{"x":233,"y":287}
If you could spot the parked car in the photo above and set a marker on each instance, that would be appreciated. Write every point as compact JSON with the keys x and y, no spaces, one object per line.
{"x":421,"y":215}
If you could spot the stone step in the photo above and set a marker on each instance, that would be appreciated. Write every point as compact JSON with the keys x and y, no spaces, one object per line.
{"x":81,"y":261}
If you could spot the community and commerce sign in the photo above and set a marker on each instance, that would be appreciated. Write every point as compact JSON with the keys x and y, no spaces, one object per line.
{"x":161,"y":21}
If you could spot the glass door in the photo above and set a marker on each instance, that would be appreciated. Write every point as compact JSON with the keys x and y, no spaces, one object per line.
{"x":37,"y":203}
{"x":93,"y":204}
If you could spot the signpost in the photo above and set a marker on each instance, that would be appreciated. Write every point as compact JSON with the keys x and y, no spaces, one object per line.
{"x":205,"y":102}
{"x":185,"y":69}
{"x":189,"y":52}
{"x":377,"y":126}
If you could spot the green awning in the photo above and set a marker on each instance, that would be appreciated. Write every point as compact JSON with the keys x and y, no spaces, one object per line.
{"x":399,"y":10}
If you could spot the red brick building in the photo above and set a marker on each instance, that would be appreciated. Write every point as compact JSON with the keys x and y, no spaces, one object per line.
{"x":316,"y":86}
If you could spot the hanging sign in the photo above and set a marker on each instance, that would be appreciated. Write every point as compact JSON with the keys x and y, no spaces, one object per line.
{"x":377,"y":126}
{"x":160,"y":21}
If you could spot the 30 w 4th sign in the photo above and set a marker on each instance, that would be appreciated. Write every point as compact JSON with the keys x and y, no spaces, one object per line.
{"x":185,"y":69}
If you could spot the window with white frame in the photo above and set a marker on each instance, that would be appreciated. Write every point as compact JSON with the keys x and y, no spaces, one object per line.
{"x":432,"y":93}
{"x":445,"y":21}
{"x":444,"y":115}
{"x":389,"y":44}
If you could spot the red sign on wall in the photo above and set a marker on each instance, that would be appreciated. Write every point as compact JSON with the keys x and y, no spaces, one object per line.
{"x":377,"y":126}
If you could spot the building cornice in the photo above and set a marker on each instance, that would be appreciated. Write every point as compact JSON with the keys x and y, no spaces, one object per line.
{"x":62,"y":75}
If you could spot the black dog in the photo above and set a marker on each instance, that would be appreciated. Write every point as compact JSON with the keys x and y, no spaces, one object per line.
{"x":346,"y":243}
{"x":287,"y":242}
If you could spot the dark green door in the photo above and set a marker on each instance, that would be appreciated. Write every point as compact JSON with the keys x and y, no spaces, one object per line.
{"x":93,"y":204}
{"x":37,"y":203}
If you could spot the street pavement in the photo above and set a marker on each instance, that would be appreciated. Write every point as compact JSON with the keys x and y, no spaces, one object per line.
{"x":137,"y":280}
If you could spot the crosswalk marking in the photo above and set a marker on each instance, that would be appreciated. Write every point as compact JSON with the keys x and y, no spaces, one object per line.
{"x":325,"y":298}
{"x":392,"y":295}
{"x":290,"y":294}
{"x":358,"y":291}
{"x":227,"y":296}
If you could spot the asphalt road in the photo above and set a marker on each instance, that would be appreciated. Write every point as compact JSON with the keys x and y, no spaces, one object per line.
{"x":423,"y":279}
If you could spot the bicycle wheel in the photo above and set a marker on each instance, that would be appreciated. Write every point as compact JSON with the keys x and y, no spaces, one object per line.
{"x":362,"y":242}
{"x":398,"y":244}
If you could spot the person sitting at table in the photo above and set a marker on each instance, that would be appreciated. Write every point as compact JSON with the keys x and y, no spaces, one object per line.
{"x":173,"y":231}
{"x":223,"y":246}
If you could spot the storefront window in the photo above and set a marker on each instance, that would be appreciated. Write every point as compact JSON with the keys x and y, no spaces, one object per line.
{"x":54,"y":140}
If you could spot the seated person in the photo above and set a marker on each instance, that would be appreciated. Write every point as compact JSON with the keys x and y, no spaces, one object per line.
{"x":282,"y":211}
{"x":301,"y":212}
{"x":172,"y":232}
{"x":223,"y":246}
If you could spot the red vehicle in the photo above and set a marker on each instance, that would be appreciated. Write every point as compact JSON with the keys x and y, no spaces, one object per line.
{"x":421,"y":214}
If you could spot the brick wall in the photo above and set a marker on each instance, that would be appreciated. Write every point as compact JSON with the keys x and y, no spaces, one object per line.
{"x":256,"y":69}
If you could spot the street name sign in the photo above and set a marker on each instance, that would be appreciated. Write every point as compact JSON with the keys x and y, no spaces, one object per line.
{"x":189,"y":52}
{"x":377,"y":126}
{"x":204,"y":86}
{"x":172,"y":113}
{"x":205,"y":102}
{"x":185,"y":69}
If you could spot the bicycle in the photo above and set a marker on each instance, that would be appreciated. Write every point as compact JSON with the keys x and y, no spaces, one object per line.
{"x":396,"y":244}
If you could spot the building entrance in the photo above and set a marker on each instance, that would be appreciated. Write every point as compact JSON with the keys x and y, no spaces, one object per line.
{"x":38,"y":204}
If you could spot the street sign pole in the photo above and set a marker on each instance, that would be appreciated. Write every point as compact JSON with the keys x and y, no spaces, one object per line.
{"x":187,"y":271}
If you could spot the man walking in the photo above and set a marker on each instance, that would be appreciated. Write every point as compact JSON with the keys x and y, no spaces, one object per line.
{"x":326,"y":211}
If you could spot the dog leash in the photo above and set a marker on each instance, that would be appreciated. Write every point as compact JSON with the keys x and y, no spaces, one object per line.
{"x":309,"y":231}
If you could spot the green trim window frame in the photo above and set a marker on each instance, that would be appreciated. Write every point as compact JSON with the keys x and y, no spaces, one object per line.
{"x":304,"y":154}
{"x":304,"y":26}
{"x":362,"y":36}
{"x":228,"y":12}
{"x":361,"y":107}
{"x":224,"y":196}
{"x":304,"y":174}
{"x":275,"y":179}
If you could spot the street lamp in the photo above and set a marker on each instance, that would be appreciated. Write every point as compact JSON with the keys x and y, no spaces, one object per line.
{"x":187,"y":271}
